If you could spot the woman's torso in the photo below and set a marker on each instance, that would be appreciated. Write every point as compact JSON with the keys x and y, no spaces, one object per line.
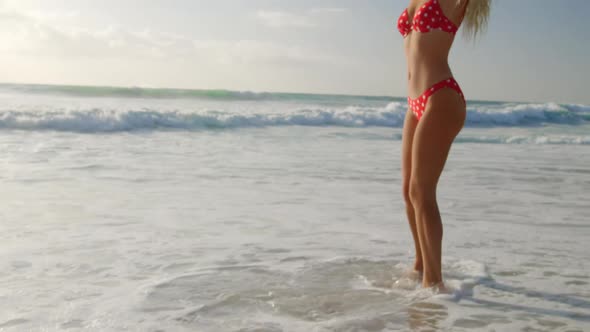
{"x":427,"y":52}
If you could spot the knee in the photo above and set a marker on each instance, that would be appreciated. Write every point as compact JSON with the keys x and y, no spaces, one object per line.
{"x":421,"y":194}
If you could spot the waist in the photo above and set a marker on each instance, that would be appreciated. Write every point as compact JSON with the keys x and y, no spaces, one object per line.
{"x":428,"y":64}
{"x":421,"y":80}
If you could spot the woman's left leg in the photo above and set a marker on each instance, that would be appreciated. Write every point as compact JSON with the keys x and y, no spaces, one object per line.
{"x":442,"y":121}
{"x":410,"y":124}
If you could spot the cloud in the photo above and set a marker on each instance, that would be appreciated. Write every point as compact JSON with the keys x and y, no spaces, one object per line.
{"x":23,"y":34}
{"x":280,"y":19}
{"x":245,"y":52}
{"x":329,"y":10}
{"x":308,"y":19}
{"x":54,"y":15}
{"x":39,"y":36}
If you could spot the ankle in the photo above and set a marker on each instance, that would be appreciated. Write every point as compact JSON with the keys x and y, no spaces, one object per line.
{"x":418,"y":266}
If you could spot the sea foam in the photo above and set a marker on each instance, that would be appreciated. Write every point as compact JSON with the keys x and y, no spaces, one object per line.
{"x":93,"y":119}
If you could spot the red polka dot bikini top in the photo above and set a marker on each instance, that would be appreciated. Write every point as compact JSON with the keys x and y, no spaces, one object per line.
{"x":428,"y":17}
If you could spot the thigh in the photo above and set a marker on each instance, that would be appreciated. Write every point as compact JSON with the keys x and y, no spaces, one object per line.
{"x":410,"y":124}
{"x":442,"y":121}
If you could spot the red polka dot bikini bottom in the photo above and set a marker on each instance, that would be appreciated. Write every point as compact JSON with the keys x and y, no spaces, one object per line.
{"x":418,"y":105}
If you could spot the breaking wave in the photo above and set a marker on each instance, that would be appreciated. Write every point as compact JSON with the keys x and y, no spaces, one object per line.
{"x":114,"y":120}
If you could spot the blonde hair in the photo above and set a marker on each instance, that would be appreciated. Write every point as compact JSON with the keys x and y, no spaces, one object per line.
{"x":476,"y":17}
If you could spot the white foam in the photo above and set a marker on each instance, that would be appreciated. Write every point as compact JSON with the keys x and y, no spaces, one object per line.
{"x":460,"y":278}
{"x":204,"y":222}
{"x":100,"y":116}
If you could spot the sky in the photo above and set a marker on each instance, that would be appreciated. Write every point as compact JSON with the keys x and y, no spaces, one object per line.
{"x":533,"y":50}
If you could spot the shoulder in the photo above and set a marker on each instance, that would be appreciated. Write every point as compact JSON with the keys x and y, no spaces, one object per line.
{"x":452,"y":6}
{"x":454,"y":9}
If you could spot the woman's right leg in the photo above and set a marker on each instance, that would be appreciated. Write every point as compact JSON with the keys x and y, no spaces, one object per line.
{"x":410,"y":124}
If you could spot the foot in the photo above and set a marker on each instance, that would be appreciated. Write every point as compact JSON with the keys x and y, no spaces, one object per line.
{"x":412,"y":275}
{"x":442,"y":292}
{"x":409,"y":279}
{"x":439,"y":288}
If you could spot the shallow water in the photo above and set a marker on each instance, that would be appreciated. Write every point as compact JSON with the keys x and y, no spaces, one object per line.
{"x":283,"y":229}
{"x":141,"y":210}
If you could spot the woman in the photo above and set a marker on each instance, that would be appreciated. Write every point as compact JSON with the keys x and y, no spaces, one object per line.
{"x":436,"y":114}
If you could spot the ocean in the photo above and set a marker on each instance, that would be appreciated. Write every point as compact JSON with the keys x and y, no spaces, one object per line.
{"x":134,"y":209}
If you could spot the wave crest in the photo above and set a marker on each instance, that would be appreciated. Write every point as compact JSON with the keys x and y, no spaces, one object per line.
{"x":392,"y":115}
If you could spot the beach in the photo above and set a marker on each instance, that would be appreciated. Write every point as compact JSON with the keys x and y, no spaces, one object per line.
{"x":178,"y":210}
